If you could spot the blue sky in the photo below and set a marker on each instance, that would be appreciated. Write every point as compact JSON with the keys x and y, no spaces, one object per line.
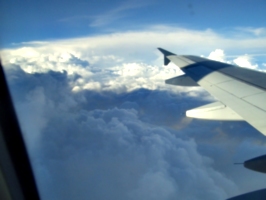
{"x":88,"y":86}
{"x":26,"y":20}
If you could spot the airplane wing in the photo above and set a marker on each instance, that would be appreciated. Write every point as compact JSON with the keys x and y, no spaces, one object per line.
{"x":241,"y":92}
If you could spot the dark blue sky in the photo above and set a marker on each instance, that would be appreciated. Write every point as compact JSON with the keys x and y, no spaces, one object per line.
{"x":27,"y":20}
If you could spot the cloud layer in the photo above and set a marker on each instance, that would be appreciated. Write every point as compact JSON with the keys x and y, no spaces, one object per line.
{"x":100,"y":123}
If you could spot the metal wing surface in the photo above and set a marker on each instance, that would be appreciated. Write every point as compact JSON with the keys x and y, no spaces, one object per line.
{"x":241,"y":92}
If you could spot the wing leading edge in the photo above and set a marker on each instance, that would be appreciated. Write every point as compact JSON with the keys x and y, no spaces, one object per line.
{"x":241,"y":92}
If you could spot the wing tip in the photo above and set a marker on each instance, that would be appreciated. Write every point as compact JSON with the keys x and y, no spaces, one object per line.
{"x":165,"y":52}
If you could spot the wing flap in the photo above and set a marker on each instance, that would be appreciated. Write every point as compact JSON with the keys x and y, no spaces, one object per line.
{"x":214,"y":111}
{"x":257,"y":100}
{"x":250,"y":113}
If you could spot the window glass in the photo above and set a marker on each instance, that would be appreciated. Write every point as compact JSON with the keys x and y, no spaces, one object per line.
{"x":99,"y":122}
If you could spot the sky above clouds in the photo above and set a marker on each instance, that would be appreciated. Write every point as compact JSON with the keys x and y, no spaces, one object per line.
{"x":98,"y":120}
{"x":24,"y":21}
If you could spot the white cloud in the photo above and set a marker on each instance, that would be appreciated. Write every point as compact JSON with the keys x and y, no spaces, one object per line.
{"x":96,"y":57}
{"x":86,"y":148}
{"x":217,"y":55}
{"x":245,"y":61}
{"x":255,"y":31}
{"x":141,"y":44}
{"x":106,"y":125}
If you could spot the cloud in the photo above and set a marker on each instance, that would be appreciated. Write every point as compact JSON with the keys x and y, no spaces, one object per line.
{"x":106,"y":17}
{"x":106,"y":51}
{"x":100,"y":122}
{"x":217,"y":55}
{"x":245,"y":61}
{"x":98,"y":147}
{"x":74,"y":19}
{"x":116,"y":13}
{"x":140,"y":45}
{"x":255,"y":31}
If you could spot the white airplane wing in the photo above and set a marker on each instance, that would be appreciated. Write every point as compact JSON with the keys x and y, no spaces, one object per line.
{"x":241,"y":92}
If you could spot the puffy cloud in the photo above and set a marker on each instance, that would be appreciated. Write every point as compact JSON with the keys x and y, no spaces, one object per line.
{"x":101,"y":124}
{"x":245,"y":61}
{"x":99,"y":148}
{"x":218,"y":55}
{"x":242,"y":61}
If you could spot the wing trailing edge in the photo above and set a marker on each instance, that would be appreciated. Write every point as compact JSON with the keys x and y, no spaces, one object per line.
{"x":255,"y":195}
{"x":182,"y":80}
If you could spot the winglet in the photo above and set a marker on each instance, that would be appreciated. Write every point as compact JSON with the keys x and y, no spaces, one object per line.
{"x":166,"y":53}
